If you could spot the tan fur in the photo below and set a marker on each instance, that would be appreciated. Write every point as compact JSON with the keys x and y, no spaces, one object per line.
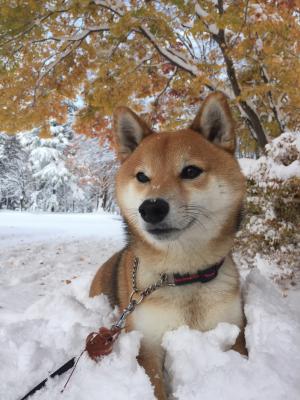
{"x":103,"y":277}
{"x":219,"y":190}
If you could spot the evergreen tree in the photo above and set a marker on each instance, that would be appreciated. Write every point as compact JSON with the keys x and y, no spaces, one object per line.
{"x":15,"y":176}
{"x":56,"y":187}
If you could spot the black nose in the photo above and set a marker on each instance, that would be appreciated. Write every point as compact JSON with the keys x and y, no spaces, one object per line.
{"x":154,"y":210}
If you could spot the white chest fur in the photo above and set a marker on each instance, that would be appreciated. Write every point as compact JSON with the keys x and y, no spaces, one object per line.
{"x":200,"y":306}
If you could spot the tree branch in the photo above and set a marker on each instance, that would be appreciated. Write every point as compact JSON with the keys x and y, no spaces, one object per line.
{"x":272,"y":103}
{"x":68,"y":50}
{"x":249,"y":111}
{"x":36,"y":22}
{"x":156,"y":102}
{"x":242,"y":26}
{"x":108,"y":6}
{"x":171,"y":57}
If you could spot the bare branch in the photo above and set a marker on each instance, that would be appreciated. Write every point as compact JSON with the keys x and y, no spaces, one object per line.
{"x":156,"y":102}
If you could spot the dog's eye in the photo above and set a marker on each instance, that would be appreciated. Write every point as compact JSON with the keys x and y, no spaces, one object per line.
{"x":190,"y":172}
{"x":141,"y":177}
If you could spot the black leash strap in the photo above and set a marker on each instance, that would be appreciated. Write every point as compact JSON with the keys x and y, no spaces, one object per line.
{"x":64,"y":368}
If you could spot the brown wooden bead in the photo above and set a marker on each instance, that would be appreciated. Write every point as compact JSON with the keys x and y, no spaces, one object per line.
{"x":101,"y":343}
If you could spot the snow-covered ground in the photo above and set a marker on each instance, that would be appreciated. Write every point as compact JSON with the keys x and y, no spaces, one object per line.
{"x":46,"y":265}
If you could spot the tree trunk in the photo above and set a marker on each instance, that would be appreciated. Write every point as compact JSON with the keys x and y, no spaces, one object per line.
{"x":273,"y":107}
{"x":251,"y":115}
{"x":104,"y":200}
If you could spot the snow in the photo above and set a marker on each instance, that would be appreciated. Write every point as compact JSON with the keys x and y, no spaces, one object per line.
{"x":204,"y":370}
{"x":47,"y":263}
{"x":43,"y":156}
{"x":278,"y":163}
{"x":200,"y":11}
{"x":212,"y":28}
{"x":17,"y":228}
{"x":247,"y":165}
{"x":259,"y":44}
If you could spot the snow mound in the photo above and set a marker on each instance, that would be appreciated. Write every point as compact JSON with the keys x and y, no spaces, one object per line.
{"x":52,"y":331}
{"x":199,"y":367}
{"x":54,"y":328}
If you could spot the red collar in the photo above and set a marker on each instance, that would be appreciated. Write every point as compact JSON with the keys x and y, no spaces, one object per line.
{"x":203,"y":276}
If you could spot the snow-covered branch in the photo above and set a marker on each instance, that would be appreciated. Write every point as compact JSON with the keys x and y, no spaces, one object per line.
{"x":202,"y":14}
{"x":170,"y":55}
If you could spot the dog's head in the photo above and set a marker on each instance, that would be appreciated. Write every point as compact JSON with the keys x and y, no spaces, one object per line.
{"x":184,"y":185}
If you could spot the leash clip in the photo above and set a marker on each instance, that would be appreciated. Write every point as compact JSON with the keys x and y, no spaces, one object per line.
{"x":128,"y":310}
{"x":168,"y":279}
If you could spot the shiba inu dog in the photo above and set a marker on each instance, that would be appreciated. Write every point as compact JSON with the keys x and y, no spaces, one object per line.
{"x":180,"y":194}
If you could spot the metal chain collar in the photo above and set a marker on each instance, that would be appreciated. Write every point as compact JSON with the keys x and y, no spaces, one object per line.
{"x":163,"y":281}
{"x":137,"y":295}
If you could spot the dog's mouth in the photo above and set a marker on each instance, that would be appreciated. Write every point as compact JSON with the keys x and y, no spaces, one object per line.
{"x":165,"y":232}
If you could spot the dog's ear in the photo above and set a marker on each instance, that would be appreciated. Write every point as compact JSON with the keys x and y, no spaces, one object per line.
{"x":214,"y":121}
{"x":129,"y":131}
